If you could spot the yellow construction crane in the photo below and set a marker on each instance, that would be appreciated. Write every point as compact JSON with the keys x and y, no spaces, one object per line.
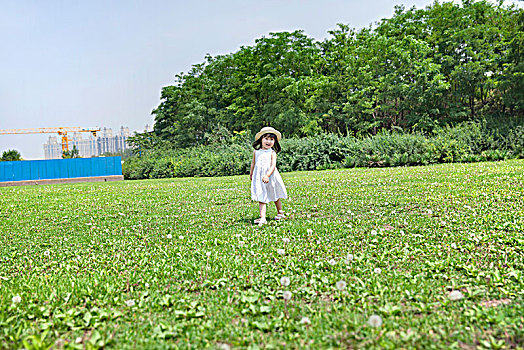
{"x":60,"y":131}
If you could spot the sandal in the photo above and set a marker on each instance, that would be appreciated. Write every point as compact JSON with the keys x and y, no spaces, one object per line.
{"x":280,"y":215}
{"x":259,"y":220}
{"x":262,"y":222}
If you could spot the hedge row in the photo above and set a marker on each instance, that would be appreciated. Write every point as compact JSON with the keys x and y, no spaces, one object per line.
{"x":467,"y":142}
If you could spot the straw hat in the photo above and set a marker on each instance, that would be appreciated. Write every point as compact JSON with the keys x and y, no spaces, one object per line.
{"x":268,"y":130}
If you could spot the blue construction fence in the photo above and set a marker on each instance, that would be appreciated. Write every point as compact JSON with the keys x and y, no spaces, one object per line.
{"x":60,"y":168}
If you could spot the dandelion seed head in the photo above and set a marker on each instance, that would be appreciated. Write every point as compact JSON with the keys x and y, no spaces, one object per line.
{"x":341,"y":285}
{"x":286,"y":240}
{"x":332,"y":262}
{"x":377,"y":270}
{"x":455,"y":295}
{"x":16,"y":299}
{"x":287,"y":295}
{"x":208,"y":254}
{"x":281,"y":251}
{"x":350,"y":258}
{"x":284,"y":281}
{"x":305,"y":320}
{"x":169,"y":236}
{"x":374,"y":232}
{"x":375,"y":321}
{"x":147,"y":285}
{"x":180,"y":237}
{"x":130,"y":302}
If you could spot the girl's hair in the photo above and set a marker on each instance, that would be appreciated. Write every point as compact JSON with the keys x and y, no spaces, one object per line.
{"x":276,"y":146}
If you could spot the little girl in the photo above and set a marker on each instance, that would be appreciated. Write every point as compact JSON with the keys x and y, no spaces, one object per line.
{"x":266,"y":183}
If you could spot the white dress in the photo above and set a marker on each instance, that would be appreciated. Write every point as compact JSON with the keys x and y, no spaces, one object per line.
{"x":274,"y":189}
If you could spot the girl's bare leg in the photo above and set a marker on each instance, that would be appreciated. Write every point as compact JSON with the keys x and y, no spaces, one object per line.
{"x":278,"y":204}
{"x":262,"y":207}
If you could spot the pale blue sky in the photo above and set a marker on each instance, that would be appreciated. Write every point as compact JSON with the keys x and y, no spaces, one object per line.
{"x":103,"y":62}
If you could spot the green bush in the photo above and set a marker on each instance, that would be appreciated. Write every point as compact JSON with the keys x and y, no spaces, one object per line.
{"x":514,"y":142}
{"x":466,"y":142}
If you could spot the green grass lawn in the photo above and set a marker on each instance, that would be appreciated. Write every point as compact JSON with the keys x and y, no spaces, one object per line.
{"x":435,"y":252}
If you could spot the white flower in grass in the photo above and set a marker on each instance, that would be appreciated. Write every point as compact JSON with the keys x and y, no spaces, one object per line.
{"x":46,"y":253}
{"x":225,"y":347}
{"x":430,"y":212}
{"x":208,"y":254}
{"x":349,"y":258}
{"x":79,"y":340}
{"x":375,"y":321}
{"x":455,"y":295}
{"x":180,"y":237}
{"x":286,"y":240}
{"x":169,"y":236}
{"x":130,"y":302}
{"x":287,"y":295}
{"x":305,"y":320}
{"x":284,"y":281}
{"x":332,"y":262}
{"x":341,"y":285}
{"x":147,"y":285}
{"x":310,"y":231}
{"x":453,"y":245}
{"x":16,"y":299}
{"x":377,"y":270}
{"x":281,"y":251}
{"x":374,"y":232}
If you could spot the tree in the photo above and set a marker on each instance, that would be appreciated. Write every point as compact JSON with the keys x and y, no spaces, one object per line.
{"x":419,"y":70}
{"x":512,"y":81}
{"x":73,"y":153}
{"x":11,"y":155}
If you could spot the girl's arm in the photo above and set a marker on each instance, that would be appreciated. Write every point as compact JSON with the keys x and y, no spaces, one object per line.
{"x":252,"y":166}
{"x":273,"y":164}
